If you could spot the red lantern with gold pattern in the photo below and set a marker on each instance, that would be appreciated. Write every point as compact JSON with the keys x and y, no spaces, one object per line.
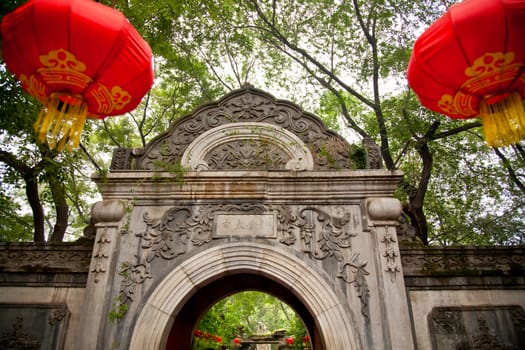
{"x":81,"y":59}
{"x":471,"y":62}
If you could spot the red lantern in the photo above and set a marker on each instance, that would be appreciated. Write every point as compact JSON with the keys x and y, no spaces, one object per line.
{"x":306,"y":339}
{"x":471,"y":62}
{"x":81,"y":59}
{"x":289,"y":341}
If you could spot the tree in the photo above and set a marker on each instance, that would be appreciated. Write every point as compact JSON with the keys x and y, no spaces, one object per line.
{"x":242,"y":314}
{"x":354,"y":54}
{"x":343,"y":60}
{"x":58,"y":192}
{"x":28,"y":164}
{"x":367,"y":27}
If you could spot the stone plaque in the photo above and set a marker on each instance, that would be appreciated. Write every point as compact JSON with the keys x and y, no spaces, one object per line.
{"x":256,"y":225}
{"x":33,"y":326}
{"x":465,"y":328}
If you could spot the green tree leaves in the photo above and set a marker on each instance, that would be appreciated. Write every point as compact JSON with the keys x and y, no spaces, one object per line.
{"x":344,"y":60}
{"x":250,"y":313}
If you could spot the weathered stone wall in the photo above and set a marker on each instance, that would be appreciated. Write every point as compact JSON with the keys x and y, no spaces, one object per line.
{"x":42,"y":289}
{"x":459,"y":297}
{"x":466,"y":297}
{"x":253,"y":188}
{"x":250,"y":192}
{"x":327,"y":237}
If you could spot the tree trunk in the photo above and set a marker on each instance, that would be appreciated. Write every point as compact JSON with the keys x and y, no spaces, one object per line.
{"x":36,"y":206}
{"x":417,"y":197}
{"x":61,"y":207}
{"x":30,"y":176}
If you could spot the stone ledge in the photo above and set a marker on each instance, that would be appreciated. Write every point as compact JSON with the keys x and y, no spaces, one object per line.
{"x":42,"y":257}
{"x":42,"y":264}
{"x":44,"y":279}
{"x":463,"y":267}
{"x":268,"y":185}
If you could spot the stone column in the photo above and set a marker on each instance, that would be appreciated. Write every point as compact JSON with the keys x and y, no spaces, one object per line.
{"x":383,"y":214}
{"x":107,"y":216}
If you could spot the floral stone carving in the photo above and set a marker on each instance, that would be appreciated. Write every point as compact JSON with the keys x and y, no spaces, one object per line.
{"x":247,"y":105}
{"x":246,"y":155}
{"x":390,"y":254}
{"x":19,"y":338}
{"x":248,"y":146}
{"x":321,"y":236}
{"x":490,"y":328}
{"x":101,"y":256}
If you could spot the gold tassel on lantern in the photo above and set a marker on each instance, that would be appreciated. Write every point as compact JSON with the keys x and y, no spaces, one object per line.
{"x":503,"y":121}
{"x":61,"y":121}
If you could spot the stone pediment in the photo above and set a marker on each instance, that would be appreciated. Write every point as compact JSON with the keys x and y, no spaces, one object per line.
{"x":247,"y":129}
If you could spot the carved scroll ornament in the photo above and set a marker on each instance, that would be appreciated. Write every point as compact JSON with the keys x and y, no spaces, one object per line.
{"x":244,"y":145}
{"x":321,"y":236}
{"x":247,"y":105}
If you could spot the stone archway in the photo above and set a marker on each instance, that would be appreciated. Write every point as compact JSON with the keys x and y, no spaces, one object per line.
{"x":184,"y":323}
{"x":269,"y":194}
{"x":330,"y":317}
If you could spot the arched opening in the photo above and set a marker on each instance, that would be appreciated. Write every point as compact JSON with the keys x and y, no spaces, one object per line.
{"x":177,"y":302}
{"x":251,"y":320}
{"x":181,"y":333}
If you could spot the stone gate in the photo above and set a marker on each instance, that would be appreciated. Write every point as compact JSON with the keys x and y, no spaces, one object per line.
{"x":252,"y":193}
{"x":248,"y":192}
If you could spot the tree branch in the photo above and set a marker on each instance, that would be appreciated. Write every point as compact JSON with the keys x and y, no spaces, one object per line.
{"x":283,"y":40}
{"x":91,"y":159}
{"x":512,"y":174}
{"x":143,"y":120}
{"x":370,"y":33}
{"x":62,"y":209}
{"x":457,"y":130}
{"x":30,"y":176}
{"x":337,"y":94}
{"x":109,"y":133}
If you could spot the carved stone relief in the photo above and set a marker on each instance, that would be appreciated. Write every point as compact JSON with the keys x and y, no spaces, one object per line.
{"x":247,"y":105}
{"x":33,"y":326}
{"x":18,"y":338}
{"x":383,"y":214}
{"x":106,"y":216}
{"x":247,"y":146}
{"x":485,"y":328}
{"x":25,"y":258}
{"x":321,"y":236}
{"x":133,"y":276}
{"x":121,"y":158}
{"x":246,"y":155}
{"x":484,"y":340}
{"x":462,"y":260}
{"x":406,"y":233}
{"x":57,"y":315}
{"x":374,"y":159}
{"x":447,"y":321}
{"x":101,"y":256}
{"x":390,"y":255}
{"x":168,"y":236}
